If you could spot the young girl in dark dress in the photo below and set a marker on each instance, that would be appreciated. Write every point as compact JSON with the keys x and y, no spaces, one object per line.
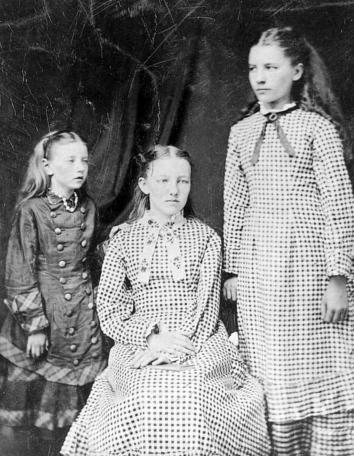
{"x":50,"y":343}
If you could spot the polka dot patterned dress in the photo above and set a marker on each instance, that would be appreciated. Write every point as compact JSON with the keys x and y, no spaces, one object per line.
{"x":204,"y":405}
{"x":289,"y":226}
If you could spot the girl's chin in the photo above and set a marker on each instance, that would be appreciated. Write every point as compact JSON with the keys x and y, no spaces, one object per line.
{"x":174,"y":211}
{"x":167,"y":214}
{"x":78,"y":185}
{"x":264,"y":99}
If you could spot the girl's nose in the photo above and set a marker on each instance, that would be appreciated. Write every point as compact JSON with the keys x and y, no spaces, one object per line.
{"x":80,"y":166}
{"x":260,"y":76}
{"x":173,"y":188}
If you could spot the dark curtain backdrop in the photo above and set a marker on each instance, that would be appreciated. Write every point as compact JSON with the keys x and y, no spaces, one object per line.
{"x":115,"y":72}
{"x":137,"y":101}
{"x":126,"y":74}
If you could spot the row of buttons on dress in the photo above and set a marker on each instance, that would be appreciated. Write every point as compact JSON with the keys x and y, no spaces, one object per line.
{"x":68,"y":296}
{"x":60,"y":248}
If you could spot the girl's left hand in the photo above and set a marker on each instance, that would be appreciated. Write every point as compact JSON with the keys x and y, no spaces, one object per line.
{"x":145,"y":357}
{"x":37,"y":344}
{"x":335,"y":300}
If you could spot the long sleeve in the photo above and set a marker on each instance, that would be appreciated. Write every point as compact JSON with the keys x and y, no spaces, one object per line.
{"x":24,"y":298}
{"x":115,"y":305}
{"x":208,"y":299}
{"x":236,"y":199}
{"x":208,"y":292}
{"x":336,"y":199}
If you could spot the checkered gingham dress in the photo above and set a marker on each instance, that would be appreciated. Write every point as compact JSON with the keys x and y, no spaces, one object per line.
{"x":289,"y":225}
{"x":203,"y":406}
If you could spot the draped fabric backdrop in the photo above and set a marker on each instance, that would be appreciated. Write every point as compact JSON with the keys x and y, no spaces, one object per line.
{"x":126,"y":74}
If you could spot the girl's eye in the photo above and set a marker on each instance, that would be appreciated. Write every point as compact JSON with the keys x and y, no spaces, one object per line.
{"x":271,"y":67}
{"x":251,"y":68}
{"x":184,"y":181}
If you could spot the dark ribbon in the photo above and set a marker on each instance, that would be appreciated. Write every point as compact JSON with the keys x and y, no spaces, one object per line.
{"x":273,"y":118}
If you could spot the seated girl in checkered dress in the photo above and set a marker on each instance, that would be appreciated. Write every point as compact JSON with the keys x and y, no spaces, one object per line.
{"x":50,"y":343}
{"x":289,"y":232}
{"x":174,"y":384}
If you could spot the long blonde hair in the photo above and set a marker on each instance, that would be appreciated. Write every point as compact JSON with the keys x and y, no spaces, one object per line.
{"x":36,"y":181}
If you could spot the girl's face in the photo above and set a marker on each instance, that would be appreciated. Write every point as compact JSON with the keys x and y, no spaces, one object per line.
{"x":168,"y":184}
{"x":67,"y":165}
{"x":272,"y":74}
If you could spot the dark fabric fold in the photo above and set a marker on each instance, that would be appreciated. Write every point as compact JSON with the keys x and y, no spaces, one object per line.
{"x":113,"y":150}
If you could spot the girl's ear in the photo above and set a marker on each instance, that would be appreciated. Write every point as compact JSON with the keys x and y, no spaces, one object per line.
{"x":143,"y":185}
{"x":46,"y":166}
{"x":298,"y":71}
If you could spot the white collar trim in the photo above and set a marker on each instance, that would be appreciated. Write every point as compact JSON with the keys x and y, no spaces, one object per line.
{"x":266,"y":111}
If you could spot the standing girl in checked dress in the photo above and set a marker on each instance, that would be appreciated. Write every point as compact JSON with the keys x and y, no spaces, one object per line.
{"x":289,"y":231}
{"x":50,"y":342}
{"x":174,"y":383}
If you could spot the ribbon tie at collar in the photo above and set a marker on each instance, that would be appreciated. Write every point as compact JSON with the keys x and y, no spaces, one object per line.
{"x":273,"y":118}
{"x":175,"y":261}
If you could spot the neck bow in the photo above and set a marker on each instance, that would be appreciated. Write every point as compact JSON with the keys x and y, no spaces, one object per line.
{"x":272,"y":117}
{"x":165,"y":232}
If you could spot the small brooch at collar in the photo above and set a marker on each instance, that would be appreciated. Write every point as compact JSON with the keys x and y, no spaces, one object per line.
{"x":70,"y":204}
{"x":273,"y":118}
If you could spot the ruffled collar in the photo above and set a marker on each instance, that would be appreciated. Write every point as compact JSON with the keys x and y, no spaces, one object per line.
{"x":70,"y":203}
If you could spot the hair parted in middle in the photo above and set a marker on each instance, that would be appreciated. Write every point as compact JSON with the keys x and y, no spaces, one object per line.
{"x":143,"y":161}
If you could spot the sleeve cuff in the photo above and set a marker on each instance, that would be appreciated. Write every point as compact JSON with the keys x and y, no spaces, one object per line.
{"x":228,"y":275}
{"x":36,"y":324}
{"x":339,"y":263}
{"x":153,"y":328}
{"x":231,"y":261}
{"x":137,"y":331}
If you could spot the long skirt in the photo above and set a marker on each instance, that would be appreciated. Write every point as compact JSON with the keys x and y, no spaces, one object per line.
{"x":199,"y":409}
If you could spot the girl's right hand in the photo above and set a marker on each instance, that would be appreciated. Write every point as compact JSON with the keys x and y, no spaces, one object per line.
{"x":230,"y":289}
{"x":171,"y":342}
{"x":37,"y":344}
{"x":147,"y":357}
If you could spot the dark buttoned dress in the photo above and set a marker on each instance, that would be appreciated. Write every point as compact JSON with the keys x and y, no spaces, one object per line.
{"x":49,"y":289}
